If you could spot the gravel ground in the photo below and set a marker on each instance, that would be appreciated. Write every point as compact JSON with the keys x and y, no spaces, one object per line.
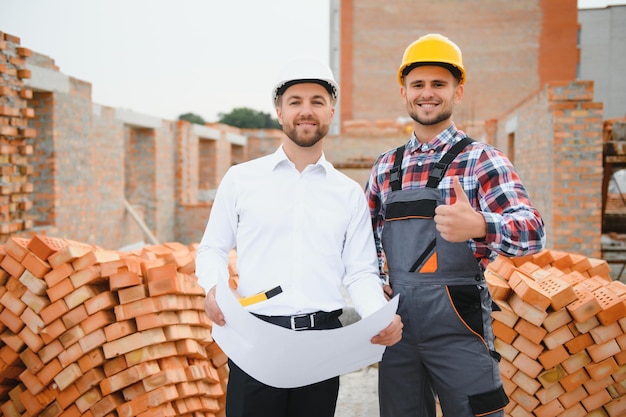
{"x":358,"y":394}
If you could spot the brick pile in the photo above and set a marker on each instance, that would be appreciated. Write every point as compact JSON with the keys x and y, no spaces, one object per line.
{"x":561,"y":332}
{"x":86,"y":331}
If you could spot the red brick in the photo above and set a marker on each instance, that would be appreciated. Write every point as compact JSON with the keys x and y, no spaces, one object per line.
{"x":12,"y":303}
{"x":592,"y":386}
{"x":613,"y":306}
{"x":92,"y":340}
{"x":34,"y":301}
{"x":71,"y":336}
{"x":38,"y":267}
{"x":32,"y":405}
{"x":60,"y":290}
{"x":573,"y":397}
{"x":75,"y":316}
{"x":16,"y":248}
{"x":616,"y":407}
{"x":124,"y":279}
{"x":597,"y":400}
{"x":12,"y":266}
{"x":585,"y":307}
{"x":603,"y":351}
{"x":576,"y":361}
{"x":107,"y":405}
{"x":102,"y":301}
{"x":11,"y":321}
{"x":91,"y":359}
{"x":558,"y":337}
{"x":545,"y":395}
{"x":50,"y":351}
{"x":130,"y":294}
{"x":67,"y":376}
{"x":579,"y":343}
{"x":553,"y":357}
{"x":553,"y":408}
{"x":88,"y":399}
{"x":58,"y":273}
{"x":574,"y":380}
{"x":70,"y":354}
{"x":53,"y":311}
{"x":49,"y":371}
{"x":148,"y":400}
{"x":152,"y":352}
{"x":119,"y":329}
{"x":44,"y":246}
{"x":128,"y":377}
{"x":88,"y":275}
{"x":132,"y":342}
{"x":529,"y":290}
{"x":32,"y":340}
{"x":556,"y":319}
{"x":31,"y":360}
{"x":32,"y":320}
{"x":34,"y":284}
{"x":600,"y":370}
{"x":67,"y":255}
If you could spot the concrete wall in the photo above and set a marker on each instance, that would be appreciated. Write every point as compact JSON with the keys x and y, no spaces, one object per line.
{"x":603,"y":56}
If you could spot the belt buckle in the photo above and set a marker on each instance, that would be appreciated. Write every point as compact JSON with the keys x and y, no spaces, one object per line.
{"x":309,"y":326}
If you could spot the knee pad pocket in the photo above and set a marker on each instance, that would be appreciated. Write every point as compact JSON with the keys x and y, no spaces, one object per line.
{"x":488,"y":402}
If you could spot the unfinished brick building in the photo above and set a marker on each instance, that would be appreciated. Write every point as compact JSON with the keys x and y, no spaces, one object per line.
{"x":100,"y":177}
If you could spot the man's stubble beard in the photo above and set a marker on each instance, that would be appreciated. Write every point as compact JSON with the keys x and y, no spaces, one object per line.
{"x":320,"y":132}
{"x":441,"y":117}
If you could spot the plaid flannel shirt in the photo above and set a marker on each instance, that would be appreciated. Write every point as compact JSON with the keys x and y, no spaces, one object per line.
{"x":514,"y":226}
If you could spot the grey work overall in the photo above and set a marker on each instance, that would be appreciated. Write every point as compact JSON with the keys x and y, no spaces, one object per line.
{"x":447,"y":348}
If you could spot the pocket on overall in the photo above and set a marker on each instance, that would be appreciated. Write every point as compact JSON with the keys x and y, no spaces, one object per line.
{"x":466,"y":301}
{"x":416,"y":221}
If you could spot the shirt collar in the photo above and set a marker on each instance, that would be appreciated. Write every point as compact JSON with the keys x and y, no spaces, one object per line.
{"x":447,"y":137}
{"x":280,"y":157}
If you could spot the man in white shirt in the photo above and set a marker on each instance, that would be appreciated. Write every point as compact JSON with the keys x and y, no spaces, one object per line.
{"x":301,"y":226}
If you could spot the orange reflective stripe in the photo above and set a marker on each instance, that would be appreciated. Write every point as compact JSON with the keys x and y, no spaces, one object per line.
{"x":431,"y":264}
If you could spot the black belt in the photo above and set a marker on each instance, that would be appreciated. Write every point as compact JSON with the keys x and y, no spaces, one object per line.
{"x":302,"y":321}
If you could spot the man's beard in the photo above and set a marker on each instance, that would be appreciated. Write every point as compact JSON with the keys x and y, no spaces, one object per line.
{"x":310,"y":140}
{"x":443,"y":116}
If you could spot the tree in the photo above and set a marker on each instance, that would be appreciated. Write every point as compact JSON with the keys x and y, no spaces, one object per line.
{"x":192,"y":118}
{"x":247,"y":118}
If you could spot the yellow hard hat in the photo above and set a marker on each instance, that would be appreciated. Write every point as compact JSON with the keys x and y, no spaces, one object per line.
{"x":433,"y":49}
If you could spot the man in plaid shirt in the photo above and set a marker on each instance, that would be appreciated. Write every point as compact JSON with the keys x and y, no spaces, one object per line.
{"x":443,"y":206}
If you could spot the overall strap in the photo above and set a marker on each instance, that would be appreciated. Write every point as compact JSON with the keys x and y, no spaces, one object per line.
{"x":395,"y":175}
{"x":440,"y":168}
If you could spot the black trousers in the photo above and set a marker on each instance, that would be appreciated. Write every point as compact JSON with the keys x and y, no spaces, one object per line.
{"x":247,"y":397}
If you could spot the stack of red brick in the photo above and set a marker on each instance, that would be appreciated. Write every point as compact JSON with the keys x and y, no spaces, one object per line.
{"x":86,"y":331}
{"x":561,"y":334}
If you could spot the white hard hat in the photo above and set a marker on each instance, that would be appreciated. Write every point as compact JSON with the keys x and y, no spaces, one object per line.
{"x":301,"y":70}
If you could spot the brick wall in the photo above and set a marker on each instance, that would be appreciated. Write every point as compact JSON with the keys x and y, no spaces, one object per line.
{"x":510,"y":50}
{"x":16,"y":139}
{"x":557,"y":136}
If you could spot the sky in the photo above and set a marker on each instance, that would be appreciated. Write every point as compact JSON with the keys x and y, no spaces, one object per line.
{"x":164,"y":58}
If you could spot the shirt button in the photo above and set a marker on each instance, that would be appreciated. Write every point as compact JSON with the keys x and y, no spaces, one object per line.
{"x":424,"y":148}
{"x":420,"y":163}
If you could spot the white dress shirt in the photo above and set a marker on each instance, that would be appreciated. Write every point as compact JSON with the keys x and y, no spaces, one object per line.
{"x":309,"y":232}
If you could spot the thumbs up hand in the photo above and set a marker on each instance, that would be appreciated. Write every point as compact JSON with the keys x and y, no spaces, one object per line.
{"x":458,"y":222}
